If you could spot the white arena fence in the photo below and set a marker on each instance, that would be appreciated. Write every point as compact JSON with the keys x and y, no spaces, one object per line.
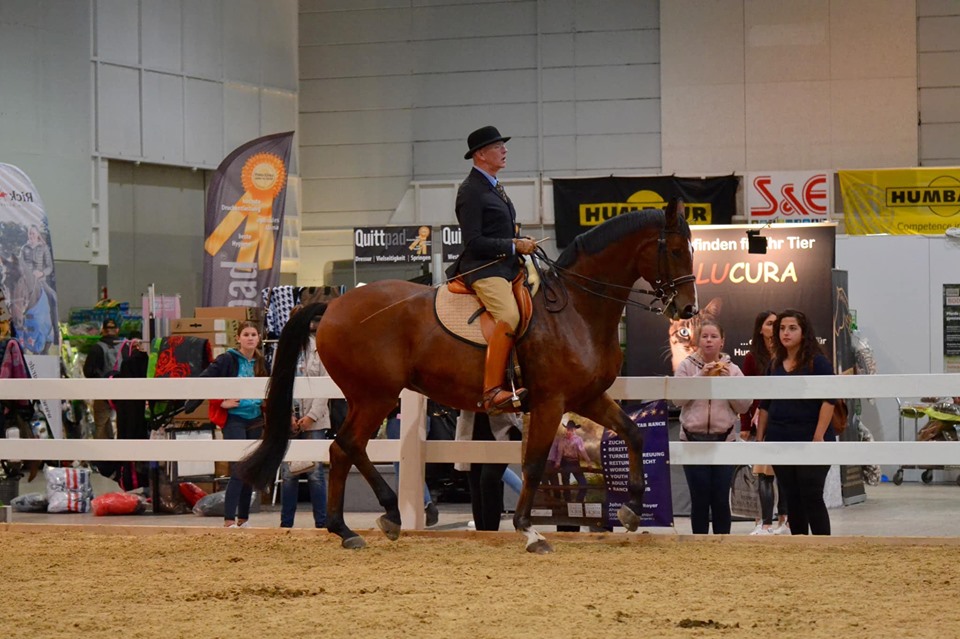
{"x":413,"y":451}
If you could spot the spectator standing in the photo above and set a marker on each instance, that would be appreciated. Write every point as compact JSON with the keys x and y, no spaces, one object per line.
{"x":244,"y":416}
{"x":487,"y":479}
{"x":756,"y":362}
{"x":313,"y":423}
{"x":709,"y":420}
{"x":799,"y":420}
{"x":102,"y":363}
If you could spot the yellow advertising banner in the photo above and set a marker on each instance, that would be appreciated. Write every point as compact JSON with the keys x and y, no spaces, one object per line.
{"x":921,"y":201}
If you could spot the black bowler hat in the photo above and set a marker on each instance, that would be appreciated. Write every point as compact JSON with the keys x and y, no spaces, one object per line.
{"x":481,"y":138}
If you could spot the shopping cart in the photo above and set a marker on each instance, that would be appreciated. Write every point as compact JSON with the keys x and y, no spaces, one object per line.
{"x":931,"y":421}
{"x":165,"y":477}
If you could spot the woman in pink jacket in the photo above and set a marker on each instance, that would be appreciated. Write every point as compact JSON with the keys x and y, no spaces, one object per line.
{"x":709,"y":420}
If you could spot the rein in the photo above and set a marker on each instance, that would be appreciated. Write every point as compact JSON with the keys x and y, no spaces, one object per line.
{"x":664,"y":292}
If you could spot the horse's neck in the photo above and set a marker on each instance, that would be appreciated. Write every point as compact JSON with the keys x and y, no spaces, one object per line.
{"x":600,"y":306}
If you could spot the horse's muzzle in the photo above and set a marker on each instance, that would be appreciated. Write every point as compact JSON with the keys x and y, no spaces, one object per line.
{"x":689,"y":311}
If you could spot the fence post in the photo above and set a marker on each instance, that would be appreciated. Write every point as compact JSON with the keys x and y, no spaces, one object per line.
{"x":413,"y":435}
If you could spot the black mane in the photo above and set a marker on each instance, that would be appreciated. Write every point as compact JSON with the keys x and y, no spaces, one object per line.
{"x":600,"y":237}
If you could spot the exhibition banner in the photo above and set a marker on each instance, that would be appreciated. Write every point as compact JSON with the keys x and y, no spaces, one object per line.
{"x":951,"y":328}
{"x":583,"y":203}
{"x":651,"y":417}
{"x":451,"y":241}
{"x":588,"y":471}
{"x":788,"y":196}
{"x":733,"y":286}
{"x":28,"y":286}
{"x":243,"y":224}
{"x":392,"y":245}
{"x":920,"y":201}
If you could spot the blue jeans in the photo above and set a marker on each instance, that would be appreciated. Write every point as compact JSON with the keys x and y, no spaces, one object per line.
{"x":236,"y":503}
{"x":393,"y":432}
{"x":709,"y":498}
{"x":512,"y":480}
{"x":290,"y":492}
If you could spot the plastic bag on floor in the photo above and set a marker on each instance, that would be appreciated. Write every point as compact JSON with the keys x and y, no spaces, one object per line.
{"x":210,"y":505}
{"x":68,"y":490}
{"x":117,"y":504}
{"x":30,"y":503}
{"x":191,"y":493}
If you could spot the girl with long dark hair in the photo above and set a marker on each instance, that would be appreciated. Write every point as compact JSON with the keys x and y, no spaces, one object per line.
{"x":244,"y":416}
{"x":796,"y":420}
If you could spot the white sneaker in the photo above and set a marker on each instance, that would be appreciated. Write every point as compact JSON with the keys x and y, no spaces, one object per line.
{"x":760,"y":530}
{"x":471,"y":525}
{"x":782,"y":529}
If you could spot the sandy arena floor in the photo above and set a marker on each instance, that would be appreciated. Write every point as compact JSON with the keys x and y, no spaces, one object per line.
{"x":218,"y":583}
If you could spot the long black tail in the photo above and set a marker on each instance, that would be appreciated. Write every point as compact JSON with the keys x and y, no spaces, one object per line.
{"x":259,"y":468}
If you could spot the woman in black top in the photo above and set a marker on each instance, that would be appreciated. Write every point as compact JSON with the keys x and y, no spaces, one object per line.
{"x":799,"y":420}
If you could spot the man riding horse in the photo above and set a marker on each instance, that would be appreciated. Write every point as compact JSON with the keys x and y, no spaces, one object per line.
{"x":490,"y":260}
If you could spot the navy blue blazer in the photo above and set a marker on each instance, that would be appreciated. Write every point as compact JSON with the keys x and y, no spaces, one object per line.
{"x":488,"y":227}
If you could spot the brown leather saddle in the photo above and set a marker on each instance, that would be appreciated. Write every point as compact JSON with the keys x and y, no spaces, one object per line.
{"x":459,"y":316}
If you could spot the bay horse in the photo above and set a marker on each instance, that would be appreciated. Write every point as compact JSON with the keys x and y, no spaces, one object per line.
{"x":376,"y":340}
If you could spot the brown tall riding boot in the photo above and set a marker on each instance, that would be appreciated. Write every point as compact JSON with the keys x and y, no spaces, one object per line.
{"x":496,"y":399}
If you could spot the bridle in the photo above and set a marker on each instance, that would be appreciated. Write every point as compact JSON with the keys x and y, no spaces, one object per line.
{"x":664,"y":290}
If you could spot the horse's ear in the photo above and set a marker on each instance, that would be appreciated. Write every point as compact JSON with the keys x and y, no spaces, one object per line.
{"x":674,"y":212}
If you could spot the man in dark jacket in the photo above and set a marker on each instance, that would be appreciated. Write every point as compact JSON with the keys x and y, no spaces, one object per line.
{"x":491,"y":257}
{"x":102,"y":362}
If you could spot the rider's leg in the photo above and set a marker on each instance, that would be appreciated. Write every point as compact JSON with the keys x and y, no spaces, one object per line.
{"x":496,"y":294}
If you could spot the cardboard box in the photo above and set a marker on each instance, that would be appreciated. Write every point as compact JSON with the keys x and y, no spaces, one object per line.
{"x":239,"y":313}
{"x":204,"y":325}
{"x":216,"y":339}
{"x":200,"y":414}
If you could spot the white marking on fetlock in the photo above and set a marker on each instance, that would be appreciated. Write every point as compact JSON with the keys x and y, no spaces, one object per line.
{"x":532,"y":536}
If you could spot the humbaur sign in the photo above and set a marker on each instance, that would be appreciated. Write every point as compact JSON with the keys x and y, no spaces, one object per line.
{"x":244,"y":222}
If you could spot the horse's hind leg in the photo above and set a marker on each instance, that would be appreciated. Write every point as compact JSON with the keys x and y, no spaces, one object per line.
{"x":389,"y":522}
{"x":339,"y":467}
{"x":350,"y":449}
{"x":605,"y":411}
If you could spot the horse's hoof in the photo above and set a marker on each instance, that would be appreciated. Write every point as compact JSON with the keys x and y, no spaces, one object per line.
{"x":629,"y":519}
{"x":540,"y":547}
{"x":389,"y":528}
{"x":353,"y":543}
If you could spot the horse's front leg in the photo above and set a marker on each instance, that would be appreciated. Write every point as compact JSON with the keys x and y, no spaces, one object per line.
{"x":605,"y":411}
{"x":544,"y":420}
